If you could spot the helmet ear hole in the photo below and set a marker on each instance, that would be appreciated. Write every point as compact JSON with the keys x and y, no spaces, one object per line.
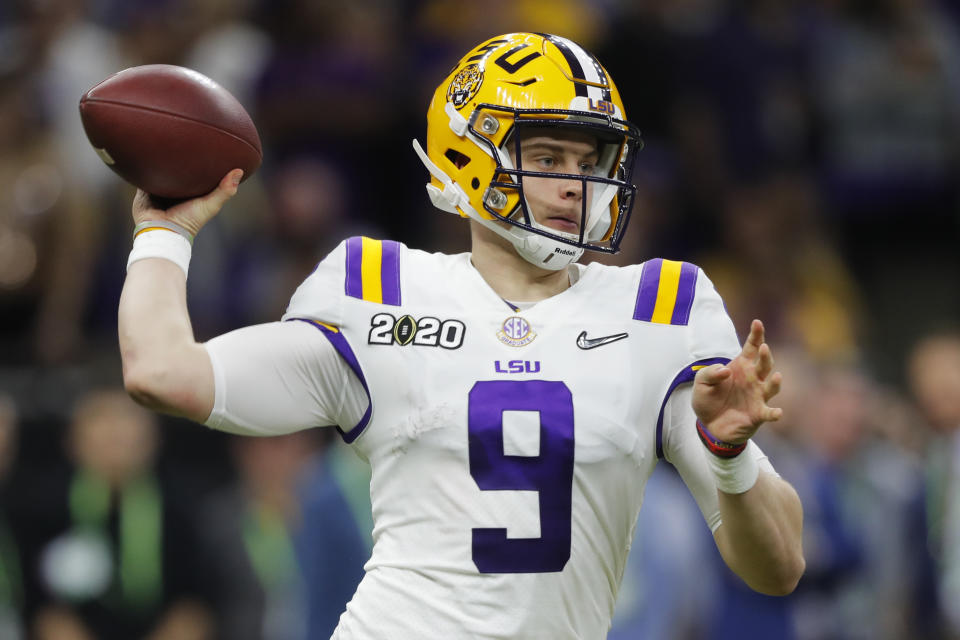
{"x":459,"y":160}
{"x":475,"y":183}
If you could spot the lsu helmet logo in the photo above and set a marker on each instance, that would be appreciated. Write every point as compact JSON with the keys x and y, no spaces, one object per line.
{"x":603,"y":106}
{"x":465,"y":85}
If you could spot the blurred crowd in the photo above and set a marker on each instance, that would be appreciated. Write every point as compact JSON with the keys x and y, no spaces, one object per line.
{"x":804,"y":152}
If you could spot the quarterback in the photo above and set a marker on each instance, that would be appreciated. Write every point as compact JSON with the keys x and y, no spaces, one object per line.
{"x":510,"y":402}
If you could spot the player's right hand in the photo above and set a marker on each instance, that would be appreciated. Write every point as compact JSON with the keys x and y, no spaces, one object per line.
{"x":193,"y":214}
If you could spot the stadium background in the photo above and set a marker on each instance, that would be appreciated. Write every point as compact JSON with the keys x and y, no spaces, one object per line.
{"x":804,"y":153}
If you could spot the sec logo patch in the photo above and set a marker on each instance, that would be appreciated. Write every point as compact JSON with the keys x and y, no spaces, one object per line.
{"x":516,"y":332}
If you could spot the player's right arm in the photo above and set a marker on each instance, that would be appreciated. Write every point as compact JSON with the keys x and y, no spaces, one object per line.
{"x":267,"y":379}
{"x":164,"y":367}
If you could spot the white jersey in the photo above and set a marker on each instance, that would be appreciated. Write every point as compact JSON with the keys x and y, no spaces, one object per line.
{"x":509,"y":449}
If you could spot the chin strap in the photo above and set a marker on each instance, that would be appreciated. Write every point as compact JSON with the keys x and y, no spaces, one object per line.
{"x":544,"y":252}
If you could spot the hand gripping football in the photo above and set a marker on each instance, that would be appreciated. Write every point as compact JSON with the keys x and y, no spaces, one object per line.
{"x":169,"y":130}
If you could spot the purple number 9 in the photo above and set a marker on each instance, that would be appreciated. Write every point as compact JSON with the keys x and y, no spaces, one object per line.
{"x":550,"y":473}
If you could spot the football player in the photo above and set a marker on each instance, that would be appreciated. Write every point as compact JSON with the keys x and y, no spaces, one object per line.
{"x":511,"y":402}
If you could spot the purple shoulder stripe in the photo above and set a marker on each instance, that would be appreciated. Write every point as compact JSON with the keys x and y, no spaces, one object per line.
{"x":685,"y":293}
{"x":647,"y":292}
{"x":390,"y":272}
{"x":380,"y":263}
{"x":687,"y":374}
{"x":666,"y":292}
{"x":354,"y":279}
{"x":340,"y":343}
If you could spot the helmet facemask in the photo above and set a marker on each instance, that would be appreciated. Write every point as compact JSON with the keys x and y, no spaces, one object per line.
{"x":606,"y":191}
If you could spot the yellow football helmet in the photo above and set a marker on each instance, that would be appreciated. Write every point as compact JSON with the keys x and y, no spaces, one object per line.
{"x":505,"y":85}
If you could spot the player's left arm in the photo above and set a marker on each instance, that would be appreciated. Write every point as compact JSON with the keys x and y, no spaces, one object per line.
{"x":762,"y":521}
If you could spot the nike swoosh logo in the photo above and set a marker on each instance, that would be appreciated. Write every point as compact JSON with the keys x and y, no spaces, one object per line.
{"x":592,"y":343}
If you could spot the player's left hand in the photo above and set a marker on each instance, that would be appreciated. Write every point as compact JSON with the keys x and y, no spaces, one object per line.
{"x":731,"y":400}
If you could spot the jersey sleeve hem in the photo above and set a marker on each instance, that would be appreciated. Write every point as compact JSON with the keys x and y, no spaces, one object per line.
{"x":687,"y":374}
{"x":215,"y":419}
{"x":339,"y":342}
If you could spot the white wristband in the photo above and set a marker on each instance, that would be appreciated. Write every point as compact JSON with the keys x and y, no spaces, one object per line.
{"x":161,"y":243}
{"x":735,"y":475}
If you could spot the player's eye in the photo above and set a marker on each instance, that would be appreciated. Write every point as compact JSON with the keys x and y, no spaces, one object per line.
{"x":546,"y":162}
{"x":588,"y":168}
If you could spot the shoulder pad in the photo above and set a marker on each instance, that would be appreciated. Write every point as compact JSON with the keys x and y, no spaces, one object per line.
{"x":372,"y":270}
{"x":666,"y":292}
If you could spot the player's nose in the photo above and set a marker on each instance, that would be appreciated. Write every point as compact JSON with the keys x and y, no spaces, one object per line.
{"x":571,"y":188}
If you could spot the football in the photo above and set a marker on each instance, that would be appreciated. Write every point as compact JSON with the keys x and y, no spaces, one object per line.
{"x":169,"y":130}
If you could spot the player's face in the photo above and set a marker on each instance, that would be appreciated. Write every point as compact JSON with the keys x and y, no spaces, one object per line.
{"x":557,"y":202}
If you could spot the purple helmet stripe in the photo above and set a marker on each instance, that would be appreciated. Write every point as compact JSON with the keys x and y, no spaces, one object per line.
{"x":576,"y":56}
{"x":576,"y":69}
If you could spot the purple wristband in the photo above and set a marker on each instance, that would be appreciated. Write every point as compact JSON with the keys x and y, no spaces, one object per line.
{"x":717,"y":447}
